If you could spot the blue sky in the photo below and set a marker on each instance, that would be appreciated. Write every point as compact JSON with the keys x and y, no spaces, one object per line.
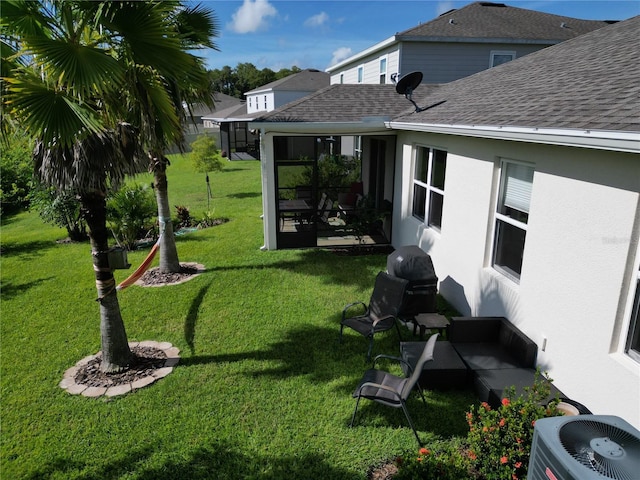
{"x":316,"y":34}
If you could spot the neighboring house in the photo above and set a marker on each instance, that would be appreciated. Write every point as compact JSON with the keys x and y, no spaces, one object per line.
{"x":459,"y":43}
{"x":287,"y":89}
{"x":236,"y":139}
{"x":222,"y":103}
{"x":523,"y":184}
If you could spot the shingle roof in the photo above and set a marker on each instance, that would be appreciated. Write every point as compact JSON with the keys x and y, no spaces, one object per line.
{"x":308,"y":80}
{"x":485,"y":20}
{"x":591,"y":82}
{"x":343,"y":103}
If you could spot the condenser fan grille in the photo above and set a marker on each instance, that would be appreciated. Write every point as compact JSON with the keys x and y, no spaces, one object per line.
{"x":603,"y":448}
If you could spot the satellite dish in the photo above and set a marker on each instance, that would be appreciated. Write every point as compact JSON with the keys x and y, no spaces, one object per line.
{"x":407,"y":84}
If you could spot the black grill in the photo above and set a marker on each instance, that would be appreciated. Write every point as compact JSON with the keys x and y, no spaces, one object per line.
{"x":413,"y":264}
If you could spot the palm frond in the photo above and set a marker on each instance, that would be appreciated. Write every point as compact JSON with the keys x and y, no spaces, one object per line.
{"x":53,"y":116}
{"x":198,"y":26}
{"x":87,"y":70}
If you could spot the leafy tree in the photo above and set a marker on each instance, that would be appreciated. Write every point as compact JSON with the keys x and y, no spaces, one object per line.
{"x":16,"y":171}
{"x":245,"y":77}
{"x":206,"y":158}
{"x":205,"y":155}
{"x":91,"y":81}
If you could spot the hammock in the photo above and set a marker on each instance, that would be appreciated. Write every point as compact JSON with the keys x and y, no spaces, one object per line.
{"x":135,"y":276}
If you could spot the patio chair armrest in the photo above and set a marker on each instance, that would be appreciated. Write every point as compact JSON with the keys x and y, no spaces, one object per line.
{"x":377,"y":385}
{"x":392,"y":357}
{"x":378,"y":320}
{"x":346,"y":309}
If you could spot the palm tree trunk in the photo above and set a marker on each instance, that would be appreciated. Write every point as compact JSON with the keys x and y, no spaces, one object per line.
{"x":169,"y":262}
{"x":116,"y":355}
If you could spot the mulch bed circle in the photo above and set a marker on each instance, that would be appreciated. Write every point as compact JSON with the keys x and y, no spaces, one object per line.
{"x":155,"y":278}
{"x":151,"y":361}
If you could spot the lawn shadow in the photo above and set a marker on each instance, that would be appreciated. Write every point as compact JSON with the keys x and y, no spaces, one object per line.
{"x":341,"y":270}
{"x":9,"y":290}
{"x":192,"y":318}
{"x":443,"y":415}
{"x":245,"y":195}
{"x":217,"y":461}
{"x":27,"y":249}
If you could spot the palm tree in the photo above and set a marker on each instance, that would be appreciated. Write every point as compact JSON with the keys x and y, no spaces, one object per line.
{"x":161,"y":100}
{"x":68,"y":63}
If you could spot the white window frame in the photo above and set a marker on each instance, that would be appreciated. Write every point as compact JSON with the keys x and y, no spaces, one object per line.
{"x":341,"y":78}
{"x":360,"y":74}
{"x":500,"y":53}
{"x":383,"y":61}
{"x":428,"y":186}
{"x":518,"y":199}
{"x":265,"y":102}
{"x":632,"y":338}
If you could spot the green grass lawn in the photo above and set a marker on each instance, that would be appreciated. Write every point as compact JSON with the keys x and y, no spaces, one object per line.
{"x":263,"y":389}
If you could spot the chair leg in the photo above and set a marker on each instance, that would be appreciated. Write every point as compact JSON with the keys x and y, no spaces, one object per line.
{"x":370,"y":349}
{"x":421,"y":392}
{"x":353,"y":417}
{"x":406,"y":414}
{"x":398,"y":330}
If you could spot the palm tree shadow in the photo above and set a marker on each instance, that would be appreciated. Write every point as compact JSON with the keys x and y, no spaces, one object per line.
{"x":192,"y":318}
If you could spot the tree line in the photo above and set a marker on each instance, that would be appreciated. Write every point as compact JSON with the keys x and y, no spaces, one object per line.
{"x":244,"y":78}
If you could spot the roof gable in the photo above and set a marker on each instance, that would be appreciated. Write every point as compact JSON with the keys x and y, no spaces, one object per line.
{"x":308,"y":80}
{"x":488,"y":20}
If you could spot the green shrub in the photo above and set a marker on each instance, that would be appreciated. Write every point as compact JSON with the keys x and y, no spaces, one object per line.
{"x":500,"y":440}
{"x":16,"y":171}
{"x":497,"y":446}
{"x":59,"y":208}
{"x":130,"y":213}
{"x":185,"y":220}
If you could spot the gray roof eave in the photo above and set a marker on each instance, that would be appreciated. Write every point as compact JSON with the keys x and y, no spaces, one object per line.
{"x":373,"y":125}
{"x":525,"y":41}
{"x":595,"y":139}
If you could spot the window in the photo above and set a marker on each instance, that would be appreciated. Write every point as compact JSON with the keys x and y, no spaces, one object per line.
{"x":383,"y":70}
{"x":499,"y":57}
{"x":428,"y":185}
{"x":512,"y":215}
{"x":633,"y":340}
{"x":265,"y":102}
{"x":360,"y":74}
{"x":342,"y":78}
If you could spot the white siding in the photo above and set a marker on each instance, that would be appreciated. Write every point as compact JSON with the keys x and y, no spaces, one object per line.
{"x":579,"y":246}
{"x":445,"y":62}
{"x":439,"y":62}
{"x":371,"y":67}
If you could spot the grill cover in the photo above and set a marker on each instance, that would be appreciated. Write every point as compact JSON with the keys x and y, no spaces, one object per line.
{"x":413,"y":264}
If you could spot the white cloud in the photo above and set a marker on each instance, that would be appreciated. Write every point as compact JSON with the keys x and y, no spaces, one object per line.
{"x":340,"y":54}
{"x":252,"y":16}
{"x":317,"y":20}
{"x":444,"y":7}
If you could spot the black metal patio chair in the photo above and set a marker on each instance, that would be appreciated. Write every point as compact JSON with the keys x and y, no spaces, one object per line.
{"x":391,"y":390}
{"x":381,"y":313}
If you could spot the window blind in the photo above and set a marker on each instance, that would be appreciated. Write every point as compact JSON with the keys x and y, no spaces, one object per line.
{"x":517,"y":187}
